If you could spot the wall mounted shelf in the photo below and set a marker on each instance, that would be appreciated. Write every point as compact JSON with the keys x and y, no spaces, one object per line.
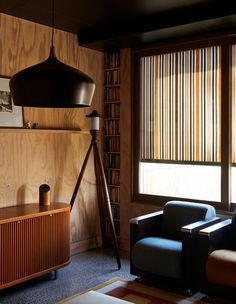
{"x":42,"y":130}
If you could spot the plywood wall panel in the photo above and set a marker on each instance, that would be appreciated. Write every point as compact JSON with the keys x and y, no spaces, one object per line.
{"x":29,"y":159}
{"x":22,"y":44}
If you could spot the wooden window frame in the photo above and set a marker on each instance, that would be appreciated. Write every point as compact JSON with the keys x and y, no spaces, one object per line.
{"x":225,"y":42}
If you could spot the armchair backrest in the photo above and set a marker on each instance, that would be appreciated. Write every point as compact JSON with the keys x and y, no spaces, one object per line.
{"x":177,"y":214}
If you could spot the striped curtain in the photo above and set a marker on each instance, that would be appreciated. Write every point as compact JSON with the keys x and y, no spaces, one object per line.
{"x":234,"y":104}
{"x":181,"y":106}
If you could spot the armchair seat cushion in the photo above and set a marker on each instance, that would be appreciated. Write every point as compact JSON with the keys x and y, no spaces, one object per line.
{"x":221,"y":267}
{"x":159,"y":256}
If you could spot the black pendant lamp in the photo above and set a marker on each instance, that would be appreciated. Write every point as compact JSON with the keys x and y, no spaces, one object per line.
{"x":52,"y":84}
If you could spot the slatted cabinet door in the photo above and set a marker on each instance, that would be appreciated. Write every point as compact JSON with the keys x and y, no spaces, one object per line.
{"x":33,"y":246}
{"x":55,"y":240}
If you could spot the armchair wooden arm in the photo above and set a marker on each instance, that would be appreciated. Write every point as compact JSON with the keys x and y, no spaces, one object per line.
{"x":144,"y":226}
{"x":143,"y":218}
{"x":195,"y":227}
{"x":189,"y":234}
{"x":216,"y":236}
{"x":209,"y":239}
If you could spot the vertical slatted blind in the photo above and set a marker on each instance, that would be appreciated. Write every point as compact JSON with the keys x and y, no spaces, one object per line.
{"x":234,"y":104}
{"x":181,"y":106}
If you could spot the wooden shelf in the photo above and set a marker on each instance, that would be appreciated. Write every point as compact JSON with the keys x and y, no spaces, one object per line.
{"x":112,"y":118}
{"x":113,"y":169}
{"x":113,"y":185}
{"x":40,"y":130}
{"x":114,"y":101}
{"x":112,"y":69}
{"x":112,"y":85}
{"x":112,"y":135}
{"x":115,"y":220}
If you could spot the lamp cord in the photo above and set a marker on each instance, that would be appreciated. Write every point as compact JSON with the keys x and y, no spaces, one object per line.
{"x":53,"y":23}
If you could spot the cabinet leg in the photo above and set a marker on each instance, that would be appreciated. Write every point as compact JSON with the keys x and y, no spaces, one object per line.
{"x":55,"y":274}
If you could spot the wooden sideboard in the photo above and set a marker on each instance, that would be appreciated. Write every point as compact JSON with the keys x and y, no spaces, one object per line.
{"x":34,"y":240}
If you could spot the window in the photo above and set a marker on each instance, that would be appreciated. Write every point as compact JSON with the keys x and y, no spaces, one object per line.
{"x":178,"y":145}
{"x":201,"y":182}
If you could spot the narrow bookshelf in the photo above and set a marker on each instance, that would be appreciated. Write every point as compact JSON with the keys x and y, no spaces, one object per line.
{"x":112,"y":136}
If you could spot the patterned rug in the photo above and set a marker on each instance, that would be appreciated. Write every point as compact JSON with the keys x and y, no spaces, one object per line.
{"x":138,"y":293}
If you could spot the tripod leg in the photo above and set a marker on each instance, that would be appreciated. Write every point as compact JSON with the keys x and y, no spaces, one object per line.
{"x":80,"y":177}
{"x":107,"y":200}
{"x":100,"y":196}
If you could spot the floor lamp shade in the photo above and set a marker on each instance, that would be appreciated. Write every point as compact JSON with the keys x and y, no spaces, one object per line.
{"x":52,"y":84}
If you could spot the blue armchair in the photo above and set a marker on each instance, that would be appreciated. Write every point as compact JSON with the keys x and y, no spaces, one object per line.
{"x":163,"y":244}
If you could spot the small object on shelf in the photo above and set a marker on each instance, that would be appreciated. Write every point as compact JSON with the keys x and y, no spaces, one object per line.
{"x":31,"y":125}
{"x":44,"y":195}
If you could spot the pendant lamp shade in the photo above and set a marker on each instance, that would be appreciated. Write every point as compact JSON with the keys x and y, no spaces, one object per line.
{"x":52,"y":84}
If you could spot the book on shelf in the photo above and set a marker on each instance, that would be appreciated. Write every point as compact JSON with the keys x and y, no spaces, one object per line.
{"x":112,"y":161}
{"x":115,"y":210}
{"x":112,"y":127}
{"x":112,"y":177}
{"x":112,"y":110}
{"x":114,"y":194}
{"x":112,"y":144}
{"x":111,"y":60}
{"x":112,"y":94}
{"x":108,"y":228}
{"x":112,"y":77}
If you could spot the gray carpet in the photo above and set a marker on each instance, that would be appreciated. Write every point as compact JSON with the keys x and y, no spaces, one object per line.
{"x":86,"y":270}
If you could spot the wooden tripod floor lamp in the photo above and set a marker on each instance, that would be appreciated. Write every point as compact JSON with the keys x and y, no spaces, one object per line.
{"x":100,"y":180}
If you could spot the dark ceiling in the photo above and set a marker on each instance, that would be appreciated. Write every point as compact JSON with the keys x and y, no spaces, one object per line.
{"x":109,"y":24}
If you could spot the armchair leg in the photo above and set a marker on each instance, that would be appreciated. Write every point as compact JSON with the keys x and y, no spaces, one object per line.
{"x":55,"y":275}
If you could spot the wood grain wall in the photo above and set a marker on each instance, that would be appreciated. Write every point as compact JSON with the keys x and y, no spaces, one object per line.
{"x":30,"y":158}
